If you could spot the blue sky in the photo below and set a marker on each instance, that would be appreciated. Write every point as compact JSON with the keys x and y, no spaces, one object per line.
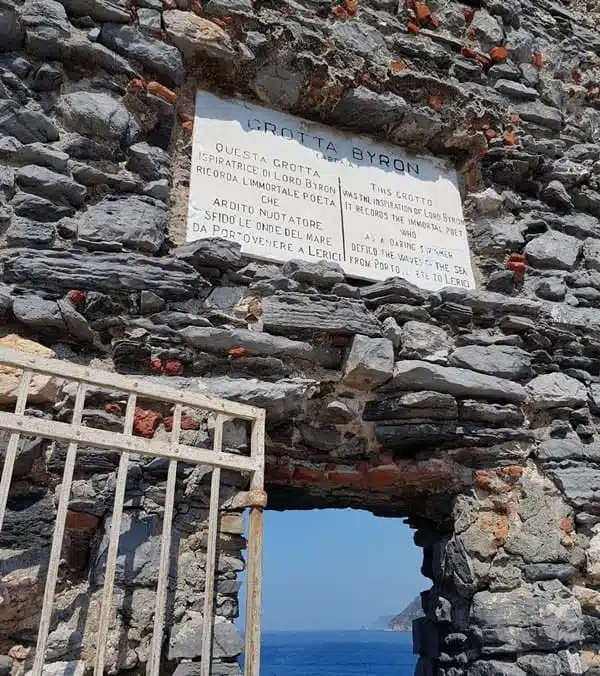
{"x":336,"y":569}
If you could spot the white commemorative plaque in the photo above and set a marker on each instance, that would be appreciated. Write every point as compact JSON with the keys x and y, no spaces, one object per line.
{"x":285,"y":188}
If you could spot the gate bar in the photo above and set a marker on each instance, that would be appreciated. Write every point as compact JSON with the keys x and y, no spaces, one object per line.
{"x":255,"y":548}
{"x":211,"y":555}
{"x":57,"y":539}
{"x":113,"y":544}
{"x":153,"y":667}
{"x":13,"y":444}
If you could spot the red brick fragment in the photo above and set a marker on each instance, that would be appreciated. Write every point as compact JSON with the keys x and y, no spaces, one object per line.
{"x":468,"y":12}
{"x":145,"y":422}
{"x":156,"y":366}
{"x":422,"y":11}
{"x":237,"y":352}
{"x":76,"y":296}
{"x":412,"y":27}
{"x":187,"y":423}
{"x":498,"y":54}
{"x":339,"y":11}
{"x":81,"y":521}
{"x":345,"y":477}
{"x":113,"y":407}
{"x":538,"y":60}
{"x":310,"y":475}
{"x":172,"y":367}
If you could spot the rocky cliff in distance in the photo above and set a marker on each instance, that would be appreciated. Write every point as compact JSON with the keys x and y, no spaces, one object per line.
{"x":404,"y":620}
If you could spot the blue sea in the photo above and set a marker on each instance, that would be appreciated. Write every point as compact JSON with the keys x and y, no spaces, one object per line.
{"x":337,"y":653}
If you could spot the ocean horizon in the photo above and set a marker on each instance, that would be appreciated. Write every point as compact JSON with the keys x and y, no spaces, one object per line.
{"x":359,"y":652}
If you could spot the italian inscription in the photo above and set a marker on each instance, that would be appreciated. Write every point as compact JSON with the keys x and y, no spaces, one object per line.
{"x":285,"y":188}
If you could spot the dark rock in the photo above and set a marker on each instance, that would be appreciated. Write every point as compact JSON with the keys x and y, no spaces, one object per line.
{"x":46,"y":156}
{"x":49,"y":184}
{"x":77,"y":325}
{"x":323,"y":274}
{"x":541,"y":114}
{"x":549,"y":571}
{"x":421,"y":375}
{"x":12,"y":33}
{"x":501,"y":281}
{"x":401,"y":312}
{"x":413,"y":406}
{"x":486,"y":301}
{"x":98,"y":115}
{"x":494,"y":414}
{"x":25,"y":232}
{"x":325,"y":438}
{"x":135,"y":222}
{"x":221,"y":340}
{"x":360,"y":37}
{"x":525,"y":620}
{"x":99,"y":10}
{"x":503,"y":361}
{"x":211,"y":253}
{"x":419,"y":436}
{"x":149,"y":162}
{"x":29,"y":450}
{"x":495,"y":668}
{"x":110,"y":273}
{"x":516,"y":90}
{"x":47,"y":78}
{"x":27,"y":126}
{"x":568,"y":449}
{"x":555,"y":194}
{"x":541,"y":665}
{"x":225,"y":297}
{"x":552,"y":288}
{"x":153,"y":55}
{"x":362,"y":108}
{"x":29,"y":521}
{"x":38,"y":208}
{"x":293,"y":313}
{"x":369,"y":364}
{"x":393,"y":290}
{"x":38,"y":313}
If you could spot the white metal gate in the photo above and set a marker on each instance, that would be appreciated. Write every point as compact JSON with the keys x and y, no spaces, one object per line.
{"x":126,"y":443}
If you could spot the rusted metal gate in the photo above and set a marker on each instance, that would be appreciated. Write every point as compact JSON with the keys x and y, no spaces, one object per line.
{"x":126,"y":443}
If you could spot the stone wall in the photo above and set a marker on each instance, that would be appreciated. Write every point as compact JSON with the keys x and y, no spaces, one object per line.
{"x":473,"y":414}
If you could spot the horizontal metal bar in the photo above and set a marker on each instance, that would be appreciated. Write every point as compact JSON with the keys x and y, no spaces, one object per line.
{"x":121,"y":442}
{"x":64,"y":369}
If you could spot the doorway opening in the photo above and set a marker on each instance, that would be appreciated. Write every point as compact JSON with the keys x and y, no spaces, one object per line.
{"x":340,"y":590}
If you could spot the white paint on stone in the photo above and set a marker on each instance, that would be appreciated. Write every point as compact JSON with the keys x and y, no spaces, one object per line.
{"x":287,"y":188}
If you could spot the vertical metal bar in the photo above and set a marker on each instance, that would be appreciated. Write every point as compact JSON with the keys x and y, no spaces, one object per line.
{"x":13,"y":444}
{"x":57,"y":539}
{"x":165,"y":553}
{"x":255,"y":547}
{"x":211,"y":554}
{"x":113,"y":544}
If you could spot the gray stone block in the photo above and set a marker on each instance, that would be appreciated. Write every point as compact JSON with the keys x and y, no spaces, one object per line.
{"x":421,"y":375}
{"x":28,"y":126}
{"x":419,"y":340}
{"x":291,"y":313}
{"x":38,"y":208}
{"x":524,"y":620}
{"x":134,"y":222}
{"x":99,"y":10}
{"x":49,"y":184}
{"x":109,"y":273}
{"x":369,"y":364}
{"x":503,"y":361}
{"x":555,"y":390}
{"x":553,"y":250}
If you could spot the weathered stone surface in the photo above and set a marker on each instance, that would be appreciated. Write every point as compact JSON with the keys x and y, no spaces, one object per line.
{"x":495,"y":414}
{"x":553,"y":250}
{"x":25,"y":232}
{"x":195,"y":36}
{"x":49,"y":184}
{"x":393,"y":290}
{"x":568,"y":449}
{"x":421,"y":375}
{"x":553,"y":390}
{"x":323,"y":274}
{"x":257,"y":344}
{"x":549,"y":571}
{"x":110,"y":273}
{"x":541,"y":665}
{"x":541,"y":114}
{"x":503,"y":361}
{"x":495,"y":668}
{"x":99,"y":10}
{"x":360,"y":38}
{"x":38,"y":313}
{"x":523,"y":620}
{"x":12,"y":33}
{"x":413,"y":405}
{"x":27,"y":126}
{"x":148,"y":161}
{"x":42,"y":388}
{"x":369,"y":364}
{"x":135,"y":222}
{"x":98,"y":115}
{"x":425,"y":341}
{"x":296,"y":312}
{"x":486,"y":301}
{"x":210,"y":253}
{"x":362,"y":108}
{"x":579,"y":482}
{"x":186,"y":637}
{"x":154,"y":55}
{"x":75,"y":668}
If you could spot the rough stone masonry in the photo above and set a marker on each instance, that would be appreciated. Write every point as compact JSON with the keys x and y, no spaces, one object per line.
{"x":472,"y":413}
